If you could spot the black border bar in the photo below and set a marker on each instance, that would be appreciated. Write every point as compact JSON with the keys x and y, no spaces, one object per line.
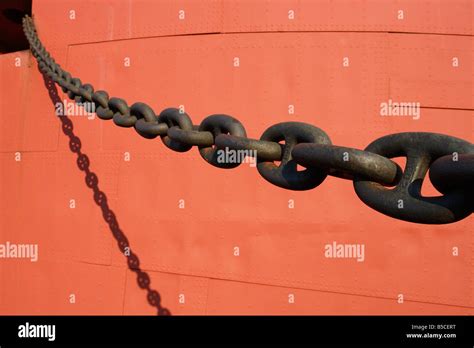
{"x":139,"y":330}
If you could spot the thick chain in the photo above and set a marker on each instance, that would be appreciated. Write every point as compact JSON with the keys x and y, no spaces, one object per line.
{"x":378,"y":181}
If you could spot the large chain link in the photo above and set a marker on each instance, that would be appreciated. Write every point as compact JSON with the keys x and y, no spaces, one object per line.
{"x":378,"y":181}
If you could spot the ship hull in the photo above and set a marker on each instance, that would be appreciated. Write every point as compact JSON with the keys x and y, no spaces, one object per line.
{"x":216,"y":241}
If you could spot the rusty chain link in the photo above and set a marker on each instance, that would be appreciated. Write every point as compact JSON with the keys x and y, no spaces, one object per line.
{"x":378,"y":181}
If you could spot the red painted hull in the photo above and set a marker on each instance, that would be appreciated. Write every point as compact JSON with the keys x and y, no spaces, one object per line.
{"x":281,"y":267}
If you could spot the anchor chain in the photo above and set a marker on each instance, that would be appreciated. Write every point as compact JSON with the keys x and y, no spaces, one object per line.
{"x":378,"y":181}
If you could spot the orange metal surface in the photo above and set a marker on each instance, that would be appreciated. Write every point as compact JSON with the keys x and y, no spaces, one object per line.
{"x":190,"y":251}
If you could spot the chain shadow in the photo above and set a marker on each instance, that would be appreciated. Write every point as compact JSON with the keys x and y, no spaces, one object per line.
{"x":92,"y":181}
